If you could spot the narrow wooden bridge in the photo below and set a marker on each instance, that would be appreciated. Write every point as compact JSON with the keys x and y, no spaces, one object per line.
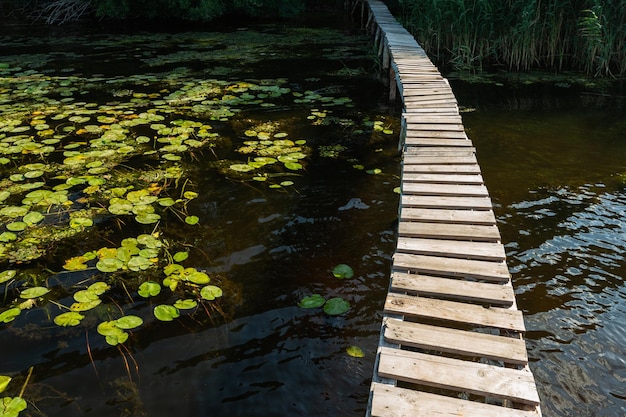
{"x":452,"y":337}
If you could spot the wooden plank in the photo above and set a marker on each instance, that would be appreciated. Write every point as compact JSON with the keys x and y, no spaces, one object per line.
{"x":454,"y":289}
{"x":446,"y":178}
{"x":487,"y":233}
{"x":453,"y":311}
{"x":430,"y":151}
{"x":419,"y":141}
{"x":438,"y":202}
{"x":487,"y":251}
{"x":458,"y":342}
{"x":464,"y":169}
{"x":436,"y":134}
{"x":433,"y":215}
{"x":455,"y":127}
{"x":431,"y":160}
{"x":389,"y":401}
{"x":432,"y":189}
{"x":464,"y":376}
{"x":433,"y":119}
{"x":452,"y":267}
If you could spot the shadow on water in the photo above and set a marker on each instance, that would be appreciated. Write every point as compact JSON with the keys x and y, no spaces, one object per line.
{"x":554,"y":162}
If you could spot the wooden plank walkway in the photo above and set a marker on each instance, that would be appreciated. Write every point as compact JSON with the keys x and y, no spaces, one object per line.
{"x":452,"y":337}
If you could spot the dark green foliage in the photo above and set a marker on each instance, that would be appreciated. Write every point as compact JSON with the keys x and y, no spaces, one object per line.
{"x":586,"y":35}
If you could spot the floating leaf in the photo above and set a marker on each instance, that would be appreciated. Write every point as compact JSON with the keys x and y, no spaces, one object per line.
{"x":197,"y":277}
{"x":7,"y":275}
{"x":11,"y":407}
{"x":192,"y":220}
{"x":210,"y":292}
{"x":85,"y":296}
{"x":128,"y":322}
{"x":34,"y":292}
{"x":33,"y":217}
{"x":374,"y":171}
{"x":68,"y":319}
{"x":186,"y":304}
{"x":80,"y":222}
{"x":180,"y":256}
{"x":109,"y":265}
{"x":16,"y":226}
{"x":99,"y":288}
{"x":355,"y":352}
{"x":166,"y":312}
{"x":148,"y":218}
{"x":312,"y":301}
{"x":139,"y":263}
{"x":85,"y":306}
{"x":7,"y":236}
{"x":336,"y":306}
{"x":4,"y":382}
{"x":149,"y":289}
{"x":294,"y":166}
{"x":9,"y":315}
{"x":76,"y":263}
{"x":342,"y":271}
{"x":241,"y":167}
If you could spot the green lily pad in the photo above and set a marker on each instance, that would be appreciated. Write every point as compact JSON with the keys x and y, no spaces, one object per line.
{"x":197,"y":277}
{"x":9,"y":315}
{"x":86,"y":305}
{"x":4,"y":382}
{"x":294,"y":166}
{"x":192,"y":220}
{"x":210,"y":292}
{"x":70,"y":318}
{"x":342,"y":271}
{"x":355,"y":352}
{"x":99,"y":288}
{"x":128,"y":322}
{"x":336,"y":306}
{"x":313,"y":301}
{"x":242,"y":167}
{"x":166,"y":312}
{"x":109,"y":265}
{"x":7,"y":275}
{"x":80,"y":222}
{"x":34,"y":292}
{"x":85,"y":296}
{"x":180,"y":256}
{"x":139,"y":263}
{"x":33,"y":217}
{"x":7,"y":237}
{"x":11,"y":407}
{"x":116,"y":338}
{"x":149,"y":289}
{"x":186,"y":304}
{"x":16,"y":226}
{"x":148,"y":218}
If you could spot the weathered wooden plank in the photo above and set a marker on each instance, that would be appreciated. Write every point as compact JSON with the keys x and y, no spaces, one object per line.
{"x":431,"y":151}
{"x":421,"y":119}
{"x":487,"y":233}
{"x":454,"y":289}
{"x":436,"y":134}
{"x":464,"y":376}
{"x":452,"y":267}
{"x":434,"y":215}
{"x":440,"y":169}
{"x":434,"y":160}
{"x":466,"y":179}
{"x":453,"y":311}
{"x":487,"y":251}
{"x":458,"y":342}
{"x":431,"y":189}
{"x":419,"y":141}
{"x":427,"y":201}
{"x":389,"y":401}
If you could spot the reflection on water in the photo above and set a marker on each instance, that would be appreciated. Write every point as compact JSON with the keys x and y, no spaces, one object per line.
{"x":552,"y":167}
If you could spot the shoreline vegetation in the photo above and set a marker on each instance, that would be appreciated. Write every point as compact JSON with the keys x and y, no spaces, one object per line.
{"x":557,"y":36}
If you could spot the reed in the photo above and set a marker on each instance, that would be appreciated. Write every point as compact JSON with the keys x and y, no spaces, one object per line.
{"x":556,"y":35}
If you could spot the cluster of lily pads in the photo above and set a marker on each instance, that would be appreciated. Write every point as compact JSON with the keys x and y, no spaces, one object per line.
{"x":10,"y":406}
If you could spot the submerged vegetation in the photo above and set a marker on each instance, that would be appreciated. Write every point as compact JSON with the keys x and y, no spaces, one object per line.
{"x":555,"y":35}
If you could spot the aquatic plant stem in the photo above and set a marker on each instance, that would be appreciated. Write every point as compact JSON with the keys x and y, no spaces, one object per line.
{"x":30,"y":372}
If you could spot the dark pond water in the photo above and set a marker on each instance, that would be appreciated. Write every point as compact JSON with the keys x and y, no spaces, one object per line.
{"x":266,"y":241}
{"x":554,"y":161}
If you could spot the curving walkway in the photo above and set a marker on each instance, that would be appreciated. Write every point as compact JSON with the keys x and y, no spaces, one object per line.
{"x":452,"y":337}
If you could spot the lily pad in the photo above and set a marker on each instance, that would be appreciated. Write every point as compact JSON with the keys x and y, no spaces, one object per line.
{"x":166,"y":312}
{"x":355,"y":352}
{"x":11,"y":407}
{"x":70,"y":318}
{"x":149,"y":289}
{"x":7,"y":275}
{"x":109,"y":265}
{"x":180,"y":256}
{"x":186,"y":304}
{"x":128,"y":322}
{"x":34,"y":292}
{"x":9,"y":315}
{"x":336,"y":306}
{"x":210,"y":292}
{"x":4,"y":382}
{"x":313,"y":301}
{"x":343,"y":271}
